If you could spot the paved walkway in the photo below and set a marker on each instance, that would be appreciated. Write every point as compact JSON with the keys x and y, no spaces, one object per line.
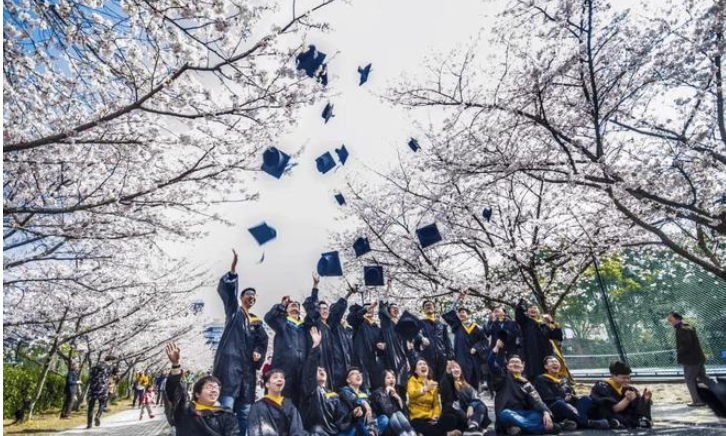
{"x":671,"y":420}
{"x":127,"y":423}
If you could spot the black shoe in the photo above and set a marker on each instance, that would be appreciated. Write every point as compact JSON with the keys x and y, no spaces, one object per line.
{"x":644,"y":422}
{"x":598,"y":424}
{"x":556,"y":429}
{"x":568,"y":425}
{"x":615,"y":424}
{"x":97,"y":421}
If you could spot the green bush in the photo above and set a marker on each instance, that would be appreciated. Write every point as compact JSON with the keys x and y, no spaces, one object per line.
{"x":19,"y":384}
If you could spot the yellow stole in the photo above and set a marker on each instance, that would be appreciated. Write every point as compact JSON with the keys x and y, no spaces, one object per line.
{"x":615,"y":385}
{"x":277,"y":399}
{"x":202,"y":407}
{"x":295,"y":321}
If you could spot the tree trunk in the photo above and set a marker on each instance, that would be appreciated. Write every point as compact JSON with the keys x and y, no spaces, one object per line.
{"x":46,"y":367}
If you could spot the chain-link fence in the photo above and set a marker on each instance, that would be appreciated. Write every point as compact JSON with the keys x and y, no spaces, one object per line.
{"x":640,"y":291}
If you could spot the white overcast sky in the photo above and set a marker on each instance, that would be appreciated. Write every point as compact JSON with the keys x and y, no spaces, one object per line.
{"x":395,"y":36}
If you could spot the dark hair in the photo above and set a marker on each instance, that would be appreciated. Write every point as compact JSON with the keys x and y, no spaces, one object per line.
{"x":514,"y":356}
{"x":421,"y":359}
{"x":548,"y":358}
{"x":268,"y":375}
{"x":463,"y":309}
{"x":620,"y":368}
{"x":321,"y":303}
{"x":245,"y":290}
{"x":426,"y":301}
{"x":388,"y":371}
{"x":199,"y":385}
{"x":675,"y":315}
{"x":351,"y":369}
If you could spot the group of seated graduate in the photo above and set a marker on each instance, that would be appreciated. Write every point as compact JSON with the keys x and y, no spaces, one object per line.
{"x":399,"y":375}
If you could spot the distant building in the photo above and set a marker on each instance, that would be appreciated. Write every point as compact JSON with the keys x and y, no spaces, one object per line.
{"x":213,"y":334}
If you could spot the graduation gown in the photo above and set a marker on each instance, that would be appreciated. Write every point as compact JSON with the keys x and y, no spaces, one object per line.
{"x":333,"y":364}
{"x":321,"y":409}
{"x":367,"y":356}
{"x":289,"y":349}
{"x":343,"y":349}
{"x":536,"y":337}
{"x":466,"y":338}
{"x":396,"y":352}
{"x":605,"y":394}
{"x":439,"y":349}
{"x":243,"y":334}
{"x":267,"y":418}
{"x":508,"y":331}
{"x":182,"y":413}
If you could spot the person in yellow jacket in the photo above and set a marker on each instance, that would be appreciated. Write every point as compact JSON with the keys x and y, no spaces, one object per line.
{"x":424,"y":402}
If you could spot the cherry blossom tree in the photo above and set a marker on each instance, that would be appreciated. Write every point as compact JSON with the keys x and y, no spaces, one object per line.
{"x":626,"y":102}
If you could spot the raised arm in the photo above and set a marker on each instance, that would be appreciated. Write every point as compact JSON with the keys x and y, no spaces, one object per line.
{"x":337,"y":312}
{"x":312,"y":311}
{"x":275,"y":318}
{"x":227,"y":289}
{"x":310,"y":369}
{"x":176,"y":395}
{"x":520,"y":313}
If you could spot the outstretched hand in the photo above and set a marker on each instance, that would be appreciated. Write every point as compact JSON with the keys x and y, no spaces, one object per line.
{"x":233,"y":269}
{"x":316,"y":279}
{"x":173,"y":353}
{"x":315,"y":336}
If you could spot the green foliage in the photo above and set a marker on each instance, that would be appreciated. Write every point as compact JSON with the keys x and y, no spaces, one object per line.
{"x":19,"y":384}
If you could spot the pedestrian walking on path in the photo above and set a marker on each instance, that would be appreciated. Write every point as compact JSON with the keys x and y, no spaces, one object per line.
{"x":690,"y":355}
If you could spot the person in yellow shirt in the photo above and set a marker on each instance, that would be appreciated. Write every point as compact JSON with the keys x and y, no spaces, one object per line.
{"x":424,"y":401}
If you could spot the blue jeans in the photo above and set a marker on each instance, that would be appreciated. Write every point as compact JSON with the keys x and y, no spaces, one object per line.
{"x":382,"y":421}
{"x":530,"y":421}
{"x":359,"y":427}
{"x":242,"y":412}
{"x":562,"y":410}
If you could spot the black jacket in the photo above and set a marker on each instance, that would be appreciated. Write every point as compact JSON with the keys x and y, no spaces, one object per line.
{"x":319,"y":407}
{"x":383,"y":403}
{"x":439,"y":350}
{"x":334,"y":365}
{"x":367,"y":356}
{"x":289,"y":349}
{"x":464,"y":340}
{"x":551,"y":391}
{"x":513,"y":392}
{"x":536,"y":338}
{"x":243,"y":334}
{"x":396,"y":353}
{"x":191,"y":422}
{"x":71,"y":382}
{"x":688,"y":347}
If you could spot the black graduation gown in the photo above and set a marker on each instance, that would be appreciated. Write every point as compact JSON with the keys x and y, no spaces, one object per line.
{"x":333,"y":364}
{"x":266,"y":418}
{"x":508,"y":331}
{"x":439,"y":349}
{"x":604,"y":397}
{"x":396,"y":352}
{"x":321,"y":408}
{"x":343,"y":346}
{"x":289,"y":349}
{"x":536,"y":343}
{"x":367,"y":356}
{"x":188,"y":421}
{"x":464,"y":341}
{"x":551,"y":391}
{"x":243,"y":334}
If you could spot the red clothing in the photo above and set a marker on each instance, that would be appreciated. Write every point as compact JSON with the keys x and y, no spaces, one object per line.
{"x":147,"y":398}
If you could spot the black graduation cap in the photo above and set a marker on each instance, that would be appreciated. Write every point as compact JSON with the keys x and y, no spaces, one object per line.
{"x":329,"y":264}
{"x":325,"y":162}
{"x":487,"y":213}
{"x":428,"y":235}
{"x":340,"y":199}
{"x":361,"y":246}
{"x":408,"y":326}
{"x":342,"y":153}
{"x":373,"y":275}
{"x":364,"y":72}
{"x":310,"y":60}
{"x":274,"y":162}
{"x":413,"y":144}
{"x":324,"y":79}
{"x":263,"y":233}
{"x":328,"y":112}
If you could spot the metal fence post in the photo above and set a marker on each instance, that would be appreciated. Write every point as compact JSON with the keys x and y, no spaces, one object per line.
{"x":608,"y":310}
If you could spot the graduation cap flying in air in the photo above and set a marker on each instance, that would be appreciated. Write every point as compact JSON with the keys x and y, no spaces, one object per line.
{"x":364,"y":72}
{"x":487,"y":213}
{"x":325,"y":162}
{"x":413,"y":144}
{"x":342,"y":153}
{"x":263,"y":233}
{"x":340,"y":199}
{"x":310,"y":60}
{"x":327,"y":112}
{"x":274,"y":162}
{"x":373,"y":275}
{"x":428,"y":235}
{"x":408,"y":326}
{"x":361,"y":246}
{"x":329,"y":264}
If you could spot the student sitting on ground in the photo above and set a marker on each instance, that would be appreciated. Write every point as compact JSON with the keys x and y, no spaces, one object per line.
{"x":274,"y":415}
{"x":389,"y":407}
{"x":202,"y":416}
{"x":424,"y":401}
{"x":620,"y":403}
{"x":360,"y":420}
{"x":460,"y":400}
{"x":569,"y":410}
{"x":322,"y":410}
{"x":519,"y":408}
